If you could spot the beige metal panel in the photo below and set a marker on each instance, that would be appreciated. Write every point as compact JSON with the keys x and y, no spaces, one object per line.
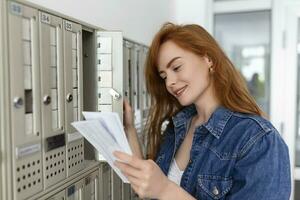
{"x":6,"y":169}
{"x":59,"y":196}
{"x":135,"y":76}
{"x":91,"y":188}
{"x":25,"y":102}
{"x":127,"y":69}
{"x":90,"y":167}
{"x":28,"y":177}
{"x":54,"y":166}
{"x":51,"y":57}
{"x":73,"y":78}
{"x":143,"y":92}
{"x":72,"y":71}
{"x":143,"y":95}
{"x":141,"y":76}
{"x":17,"y":77}
{"x":146,"y":96}
{"x":105,"y":182}
{"x":75,"y":153}
{"x":116,"y":186}
{"x":2,"y":91}
{"x":126,"y":191}
{"x":72,"y":39}
{"x":75,"y":191}
{"x":132,"y":77}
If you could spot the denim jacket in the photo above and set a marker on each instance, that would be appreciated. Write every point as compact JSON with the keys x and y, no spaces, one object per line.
{"x":233,"y":156}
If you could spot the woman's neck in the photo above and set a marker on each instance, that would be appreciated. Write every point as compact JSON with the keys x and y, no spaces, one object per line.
{"x":205,"y":108}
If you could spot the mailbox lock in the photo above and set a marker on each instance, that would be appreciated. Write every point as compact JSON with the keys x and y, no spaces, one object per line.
{"x":47,"y":100}
{"x":69,"y":97}
{"x":18,"y":102}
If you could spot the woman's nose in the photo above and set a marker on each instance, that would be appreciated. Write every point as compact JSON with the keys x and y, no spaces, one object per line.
{"x":170,"y":81}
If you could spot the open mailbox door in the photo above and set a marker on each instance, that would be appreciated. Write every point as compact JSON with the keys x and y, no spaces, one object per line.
{"x":110,"y":71}
{"x":110,"y":84}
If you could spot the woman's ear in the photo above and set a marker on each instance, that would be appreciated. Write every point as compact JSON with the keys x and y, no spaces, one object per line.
{"x":208,"y":60}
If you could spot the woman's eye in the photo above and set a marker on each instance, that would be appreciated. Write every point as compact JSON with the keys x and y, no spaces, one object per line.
{"x":177,"y":68}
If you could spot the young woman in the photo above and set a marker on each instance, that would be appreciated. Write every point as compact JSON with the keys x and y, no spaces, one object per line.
{"x":217,"y":144}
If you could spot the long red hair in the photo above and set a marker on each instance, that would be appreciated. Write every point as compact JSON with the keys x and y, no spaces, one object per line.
{"x":230,"y":87}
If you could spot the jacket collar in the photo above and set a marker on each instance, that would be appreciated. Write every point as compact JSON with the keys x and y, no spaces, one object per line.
{"x":215,"y":125}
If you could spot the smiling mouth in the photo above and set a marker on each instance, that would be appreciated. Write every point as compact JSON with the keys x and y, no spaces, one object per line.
{"x":180,"y":92}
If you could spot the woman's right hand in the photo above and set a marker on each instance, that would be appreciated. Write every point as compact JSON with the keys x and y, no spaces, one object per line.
{"x":130,"y":130}
{"x":128,"y":116}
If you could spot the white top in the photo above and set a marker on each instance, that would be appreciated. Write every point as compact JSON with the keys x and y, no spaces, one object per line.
{"x":175,"y":173}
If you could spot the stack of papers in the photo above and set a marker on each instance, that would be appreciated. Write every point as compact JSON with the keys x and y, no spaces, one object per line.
{"x":105,"y":132}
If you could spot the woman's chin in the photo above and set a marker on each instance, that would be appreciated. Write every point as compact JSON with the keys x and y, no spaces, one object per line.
{"x":185,"y":102}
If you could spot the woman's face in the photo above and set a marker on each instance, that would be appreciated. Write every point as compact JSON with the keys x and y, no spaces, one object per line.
{"x":186,"y":74}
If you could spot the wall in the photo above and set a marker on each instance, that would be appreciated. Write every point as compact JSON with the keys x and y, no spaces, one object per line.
{"x":138,"y":19}
{"x":191,"y":11}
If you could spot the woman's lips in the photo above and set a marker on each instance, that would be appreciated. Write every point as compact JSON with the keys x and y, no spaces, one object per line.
{"x":180,"y":92}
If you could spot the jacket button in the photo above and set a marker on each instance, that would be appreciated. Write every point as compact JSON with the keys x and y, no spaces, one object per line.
{"x":215,"y":191}
{"x":190,"y":161}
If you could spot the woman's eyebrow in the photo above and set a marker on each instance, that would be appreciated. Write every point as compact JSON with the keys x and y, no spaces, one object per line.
{"x":170,"y":62}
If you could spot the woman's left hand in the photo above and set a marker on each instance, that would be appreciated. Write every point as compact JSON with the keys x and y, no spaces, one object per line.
{"x":145,"y":176}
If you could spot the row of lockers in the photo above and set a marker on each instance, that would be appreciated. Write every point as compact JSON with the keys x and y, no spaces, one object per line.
{"x":91,"y":187}
{"x":86,"y":188}
{"x":45,"y":69}
{"x":54,"y":68}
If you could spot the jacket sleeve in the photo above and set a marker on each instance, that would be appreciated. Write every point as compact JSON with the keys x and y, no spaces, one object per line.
{"x":262,"y":170}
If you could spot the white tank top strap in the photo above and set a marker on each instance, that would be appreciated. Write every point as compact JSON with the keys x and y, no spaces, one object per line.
{"x":175,"y":174}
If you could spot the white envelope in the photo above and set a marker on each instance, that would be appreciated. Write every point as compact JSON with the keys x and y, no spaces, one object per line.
{"x":105,"y":132}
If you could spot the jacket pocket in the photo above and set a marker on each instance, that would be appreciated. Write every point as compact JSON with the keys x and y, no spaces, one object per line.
{"x":213,"y":187}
